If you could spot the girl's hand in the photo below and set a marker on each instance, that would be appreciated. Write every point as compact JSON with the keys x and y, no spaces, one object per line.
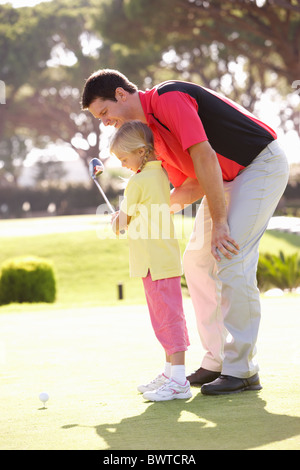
{"x":114,"y":215}
{"x":115,"y":222}
{"x":119,"y":222}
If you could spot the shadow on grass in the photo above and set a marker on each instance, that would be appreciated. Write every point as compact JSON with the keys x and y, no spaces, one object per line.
{"x":235,"y":422}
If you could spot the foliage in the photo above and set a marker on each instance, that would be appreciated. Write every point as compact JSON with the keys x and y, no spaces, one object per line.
{"x":282,"y":271}
{"x":47,"y":52}
{"x":45,"y":63}
{"x":27,"y":279}
{"x":207,"y":40}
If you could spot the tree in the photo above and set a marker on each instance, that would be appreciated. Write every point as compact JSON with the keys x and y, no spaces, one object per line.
{"x":48,"y":51}
{"x":209,"y":41}
{"x":45,"y":57}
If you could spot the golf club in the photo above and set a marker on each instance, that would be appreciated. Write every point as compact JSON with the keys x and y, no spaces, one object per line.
{"x":96,"y":168}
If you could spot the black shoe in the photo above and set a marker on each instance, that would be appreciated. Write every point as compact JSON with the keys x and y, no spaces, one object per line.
{"x":227,"y":384}
{"x":202,"y":376}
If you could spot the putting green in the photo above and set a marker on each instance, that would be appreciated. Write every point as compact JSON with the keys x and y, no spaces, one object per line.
{"x":90,"y":361}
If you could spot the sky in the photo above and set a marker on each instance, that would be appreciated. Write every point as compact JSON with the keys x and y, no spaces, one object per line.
{"x":23,"y":3}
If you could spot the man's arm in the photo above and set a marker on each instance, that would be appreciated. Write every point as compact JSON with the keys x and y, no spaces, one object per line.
{"x":209,"y":175}
{"x":184,"y":195}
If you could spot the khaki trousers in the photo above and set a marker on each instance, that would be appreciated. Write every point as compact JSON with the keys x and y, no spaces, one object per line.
{"x":225,"y":294}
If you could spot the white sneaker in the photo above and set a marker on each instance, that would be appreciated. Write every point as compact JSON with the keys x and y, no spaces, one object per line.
{"x":169,"y":391}
{"x":160,"y":380}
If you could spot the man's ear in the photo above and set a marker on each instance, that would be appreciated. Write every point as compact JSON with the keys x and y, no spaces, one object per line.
{"x":120,"y":94}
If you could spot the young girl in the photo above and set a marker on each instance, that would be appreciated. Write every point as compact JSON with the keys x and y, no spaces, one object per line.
{"x":154,"y":254}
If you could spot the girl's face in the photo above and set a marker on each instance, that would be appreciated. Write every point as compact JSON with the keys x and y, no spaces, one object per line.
{"x":132,"y":160}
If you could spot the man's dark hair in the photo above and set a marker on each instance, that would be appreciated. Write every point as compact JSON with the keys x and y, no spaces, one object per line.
{"x":103,"y":84}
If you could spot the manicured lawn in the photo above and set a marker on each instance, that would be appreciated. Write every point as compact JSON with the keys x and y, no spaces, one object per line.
{"x":88,"y":268}
{"x":90,"y":263}
{"x":273,"y":241}
{"x":90,"y":360}
{"x":90,"y":350}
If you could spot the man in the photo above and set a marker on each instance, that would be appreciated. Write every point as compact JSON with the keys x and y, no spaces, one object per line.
{"x":214,"y":149}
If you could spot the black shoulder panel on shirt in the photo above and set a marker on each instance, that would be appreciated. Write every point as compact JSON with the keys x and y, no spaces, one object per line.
{"x":230,"y":132}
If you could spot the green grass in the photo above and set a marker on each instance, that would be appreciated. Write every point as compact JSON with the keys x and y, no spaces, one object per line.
{"x":90,"y":361}
{"x":87,"y":267}
{"x":89,"y":351}
{"x":273,"y":241}
{"x":89,"y":264}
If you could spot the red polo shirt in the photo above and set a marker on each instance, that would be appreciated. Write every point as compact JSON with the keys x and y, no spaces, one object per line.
{"x":182,"y":114}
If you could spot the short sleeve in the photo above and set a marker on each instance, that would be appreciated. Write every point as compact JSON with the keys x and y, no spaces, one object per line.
{"x":175,"y":176}
{"x":132,"y":197}
{"x":179,"y":112}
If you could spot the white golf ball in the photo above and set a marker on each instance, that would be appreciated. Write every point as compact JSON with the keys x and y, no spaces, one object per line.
{"x":44,"y":397}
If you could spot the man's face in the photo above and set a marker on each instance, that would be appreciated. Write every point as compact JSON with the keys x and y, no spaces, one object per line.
{"x":111,"y":113}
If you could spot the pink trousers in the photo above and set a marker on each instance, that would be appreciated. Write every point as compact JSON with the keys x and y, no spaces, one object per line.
{"x":164,"y":299}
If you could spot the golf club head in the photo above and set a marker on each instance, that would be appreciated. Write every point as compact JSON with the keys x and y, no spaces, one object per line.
{"x":95,"y":167}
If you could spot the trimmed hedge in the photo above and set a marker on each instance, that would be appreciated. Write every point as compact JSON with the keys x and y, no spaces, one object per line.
{"x":27,"y":279}
{"x":74,"y":199}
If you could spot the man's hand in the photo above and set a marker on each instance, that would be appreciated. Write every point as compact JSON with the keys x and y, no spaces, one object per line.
{"x":221,"y":242}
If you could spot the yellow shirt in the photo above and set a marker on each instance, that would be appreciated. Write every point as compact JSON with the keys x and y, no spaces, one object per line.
{"x":152,"y":241}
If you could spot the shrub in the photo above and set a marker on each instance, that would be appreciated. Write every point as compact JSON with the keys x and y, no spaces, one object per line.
{"x":27,"y":279}
{"x":282,"y":271}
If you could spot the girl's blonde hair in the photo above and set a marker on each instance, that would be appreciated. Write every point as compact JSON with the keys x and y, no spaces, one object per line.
{"x":132,"y":136}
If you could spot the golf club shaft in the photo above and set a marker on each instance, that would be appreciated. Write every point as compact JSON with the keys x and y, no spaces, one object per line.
{"x":106,"y":200}
{"x":104,"y":196}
